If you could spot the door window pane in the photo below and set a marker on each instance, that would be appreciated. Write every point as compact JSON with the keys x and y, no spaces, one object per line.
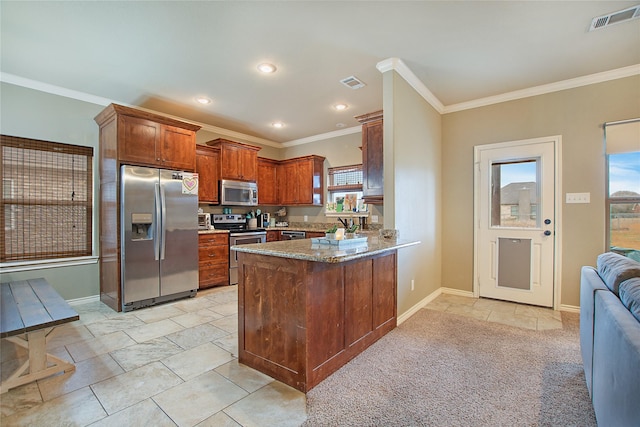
{"x":514,"y":194}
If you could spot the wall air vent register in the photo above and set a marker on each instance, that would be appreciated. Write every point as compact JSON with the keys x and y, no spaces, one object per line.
{"x":615,"y":18}
{"x":352,"y":82}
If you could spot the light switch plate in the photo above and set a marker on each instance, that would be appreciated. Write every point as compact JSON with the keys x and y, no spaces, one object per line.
{"x":374,"y":219}
{"x":578,"y":198}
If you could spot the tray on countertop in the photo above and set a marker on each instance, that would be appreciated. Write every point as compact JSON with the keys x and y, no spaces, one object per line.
{"x":347,"y":241}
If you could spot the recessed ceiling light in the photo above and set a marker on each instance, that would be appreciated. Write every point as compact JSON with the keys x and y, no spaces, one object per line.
{"x":203,"y":100}
{"x":277,"y":125}
{"x":266,"y":68}
{"x":340,"y":107}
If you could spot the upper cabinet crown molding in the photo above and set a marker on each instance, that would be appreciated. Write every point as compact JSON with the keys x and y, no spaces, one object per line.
{"x":120,"y":110}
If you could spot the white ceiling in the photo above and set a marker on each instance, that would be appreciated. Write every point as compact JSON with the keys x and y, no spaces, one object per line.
{"x":160,"y":55}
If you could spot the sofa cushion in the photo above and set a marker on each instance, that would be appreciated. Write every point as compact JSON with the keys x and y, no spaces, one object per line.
{"x":630,"y":296}
{"x":615,"y":269}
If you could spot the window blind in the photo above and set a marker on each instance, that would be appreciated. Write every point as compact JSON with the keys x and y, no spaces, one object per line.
{"x":345,"y":178}
{"x":46,"y":200}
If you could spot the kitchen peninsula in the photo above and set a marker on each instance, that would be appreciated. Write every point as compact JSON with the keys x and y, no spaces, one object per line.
{"x":305,"y":309}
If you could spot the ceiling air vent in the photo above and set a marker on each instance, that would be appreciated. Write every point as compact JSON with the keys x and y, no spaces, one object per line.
{"x":352,"y":82}
{"x":615,"y":18}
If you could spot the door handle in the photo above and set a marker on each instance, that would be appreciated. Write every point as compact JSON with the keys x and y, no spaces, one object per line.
{"x":156,"y":238}
{"x":163,"y":204}
{"x":547,"y":233}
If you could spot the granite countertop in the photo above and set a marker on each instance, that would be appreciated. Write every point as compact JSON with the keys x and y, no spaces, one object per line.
{"x":305,"y":250}
{"x":212,"y":231}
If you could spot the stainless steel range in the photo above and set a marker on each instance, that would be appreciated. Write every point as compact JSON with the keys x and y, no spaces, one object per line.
{"x":239,"y":234}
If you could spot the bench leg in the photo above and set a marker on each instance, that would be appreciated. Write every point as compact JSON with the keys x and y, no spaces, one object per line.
{"x":37,"y":363}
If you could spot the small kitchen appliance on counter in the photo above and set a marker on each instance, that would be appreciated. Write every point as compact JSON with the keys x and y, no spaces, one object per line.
{"x":204,"y":221}
{"x":264,"y":220}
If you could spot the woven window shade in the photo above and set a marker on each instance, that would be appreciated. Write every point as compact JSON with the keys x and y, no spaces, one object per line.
{"x":345,"y":178}
{"x":46,"y":200}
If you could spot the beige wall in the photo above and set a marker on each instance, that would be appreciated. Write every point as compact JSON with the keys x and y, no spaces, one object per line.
{"x":412,"y":187}
{"x":33,"y":114}
{"x":575,"y":114}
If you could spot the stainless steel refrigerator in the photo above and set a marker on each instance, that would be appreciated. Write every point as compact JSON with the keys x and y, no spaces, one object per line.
{"x":159,"y":236}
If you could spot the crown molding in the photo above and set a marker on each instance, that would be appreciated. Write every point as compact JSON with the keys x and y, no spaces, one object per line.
{"x":56,"y":90}
{"x":323,"y":136}
{"x":401,"y":68}
{"x":98,"y":100}
{"x":590,"y":79}
{"x":389,"y":64}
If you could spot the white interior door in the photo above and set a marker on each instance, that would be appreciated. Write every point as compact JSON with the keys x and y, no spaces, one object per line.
{"x":515,"y":221}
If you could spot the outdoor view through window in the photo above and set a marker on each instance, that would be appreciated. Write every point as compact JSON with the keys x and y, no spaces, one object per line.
{"x":516,"y":202}
{"x":624,"y":202}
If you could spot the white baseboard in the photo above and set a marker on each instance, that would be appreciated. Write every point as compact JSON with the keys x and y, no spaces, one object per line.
{"x":458,"y":292}
{"x":407,"y":314}
{"x":84,"y":300}
{"x":569,"y":308}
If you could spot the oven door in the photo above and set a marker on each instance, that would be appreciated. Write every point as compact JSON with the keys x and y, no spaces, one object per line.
{"x":241,"y":239}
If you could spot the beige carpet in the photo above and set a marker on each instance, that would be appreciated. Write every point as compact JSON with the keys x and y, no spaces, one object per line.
{"x":441,"y":369}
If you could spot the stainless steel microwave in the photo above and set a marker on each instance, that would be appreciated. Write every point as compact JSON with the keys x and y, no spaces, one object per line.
{"x":238,"y":193}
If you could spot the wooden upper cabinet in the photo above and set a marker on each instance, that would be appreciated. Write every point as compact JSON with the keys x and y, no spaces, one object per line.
{"x":138,"y":140}
{"x":372,"y":157}
{"x":267,"y":181}
{"x":148,"y":139}
{"x":238,"y":161}
{"x":207,"y":167}
{"x":177,"y":148}
{"x":301,"y":181}
{"x":287,"y":185}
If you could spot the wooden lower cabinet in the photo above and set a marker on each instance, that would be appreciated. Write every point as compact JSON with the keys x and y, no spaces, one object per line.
{"x":213,"y":256}
{"x":311,"y":234}
{"x":273,"y":235}
{"x":300,"y":321}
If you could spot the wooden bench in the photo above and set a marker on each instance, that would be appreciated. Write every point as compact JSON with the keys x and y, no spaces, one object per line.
{"x":33,"y":307}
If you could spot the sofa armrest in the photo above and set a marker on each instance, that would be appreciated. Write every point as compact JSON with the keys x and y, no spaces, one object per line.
{"x":616,"y":363}
{"x":590,"y":282}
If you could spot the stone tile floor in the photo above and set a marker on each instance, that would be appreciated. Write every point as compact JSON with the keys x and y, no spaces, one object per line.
{"x":508,"y":313}
{"x":176,"y":364}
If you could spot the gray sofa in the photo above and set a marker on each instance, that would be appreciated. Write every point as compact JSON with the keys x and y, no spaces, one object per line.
{"x":610,"y":338}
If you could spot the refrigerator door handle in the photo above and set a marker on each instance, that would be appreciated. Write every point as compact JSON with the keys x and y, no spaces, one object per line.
{"x":156,"y":239}
{"x":163,"y":204}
